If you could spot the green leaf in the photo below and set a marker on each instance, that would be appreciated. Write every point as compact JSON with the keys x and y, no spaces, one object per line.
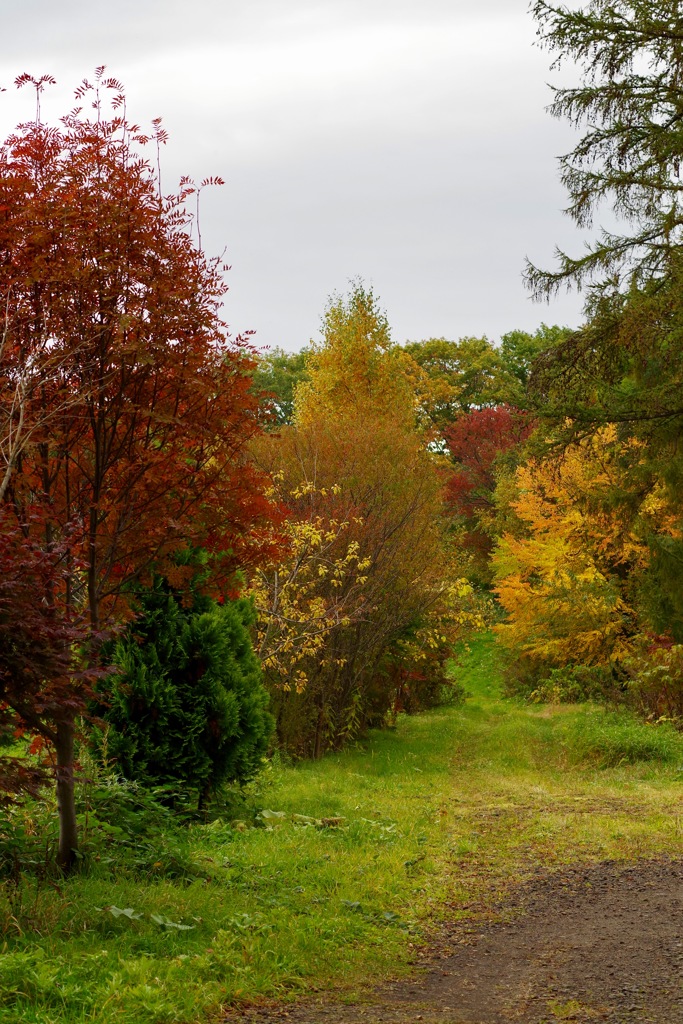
{"x":353,"y":905}
{"x":128,"y":912}
{"x":390,"y":917}
{"x":165,"y":922}
{"x":305,"y":819}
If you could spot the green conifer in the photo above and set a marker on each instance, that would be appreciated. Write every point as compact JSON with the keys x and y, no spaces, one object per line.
{"x":187,"y":705}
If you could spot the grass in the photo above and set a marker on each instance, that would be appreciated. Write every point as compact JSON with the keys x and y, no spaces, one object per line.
{"x":439,"y":815}
{"x":271,"y":910}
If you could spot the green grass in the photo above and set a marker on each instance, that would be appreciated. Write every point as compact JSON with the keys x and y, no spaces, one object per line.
{"x":439,"y":815}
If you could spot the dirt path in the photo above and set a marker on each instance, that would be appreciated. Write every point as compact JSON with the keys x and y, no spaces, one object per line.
{"x":597,"y":943}
{"x":561,"y":865}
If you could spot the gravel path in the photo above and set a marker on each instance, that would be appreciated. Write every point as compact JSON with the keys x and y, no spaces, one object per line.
{"x":597,"y":943}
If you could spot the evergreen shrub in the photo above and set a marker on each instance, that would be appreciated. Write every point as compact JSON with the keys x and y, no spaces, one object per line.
{"x":187,"y":705}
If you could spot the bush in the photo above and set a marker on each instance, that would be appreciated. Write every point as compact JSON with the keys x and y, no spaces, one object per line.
{"x":574,"y":684}
{"x":187,"y":705}
{"x":655,"y":687}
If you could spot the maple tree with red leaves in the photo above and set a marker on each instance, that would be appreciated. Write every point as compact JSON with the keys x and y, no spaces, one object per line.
{"x":125,"y":410}
{"x":475,"y":441}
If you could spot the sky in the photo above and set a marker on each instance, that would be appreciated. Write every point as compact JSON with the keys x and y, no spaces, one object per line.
{"x":402,"y":142}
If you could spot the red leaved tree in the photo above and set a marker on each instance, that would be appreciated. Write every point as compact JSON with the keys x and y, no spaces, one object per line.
{"x":125,"y":407}
{"x":41,"y":686}
{"x":475,"y":442}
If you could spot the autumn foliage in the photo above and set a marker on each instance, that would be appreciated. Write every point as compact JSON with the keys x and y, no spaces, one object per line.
{"x":475,"y":441}
{"x":125,"y":408}
{"x":367,"y":603}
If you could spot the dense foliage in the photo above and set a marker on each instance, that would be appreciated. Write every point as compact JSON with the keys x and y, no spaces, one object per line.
{"x":357,"y":621}
{"x":186,"y":706}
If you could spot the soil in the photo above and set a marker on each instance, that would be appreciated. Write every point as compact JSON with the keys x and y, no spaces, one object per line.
{"x":586,"y":944}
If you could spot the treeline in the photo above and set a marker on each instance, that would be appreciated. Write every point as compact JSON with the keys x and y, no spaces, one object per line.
{"x":206,"y":550}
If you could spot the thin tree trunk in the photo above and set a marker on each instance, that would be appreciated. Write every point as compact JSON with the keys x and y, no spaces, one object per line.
{"x":66,"y":797}
{"x":318,"y":746}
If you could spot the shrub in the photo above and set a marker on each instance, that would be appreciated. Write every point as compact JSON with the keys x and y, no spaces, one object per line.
{"x":573,"y":684}
{"x":187,"y":705}
{"x":655,"y":688}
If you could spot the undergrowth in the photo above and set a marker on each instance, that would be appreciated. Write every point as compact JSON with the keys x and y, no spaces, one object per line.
{"x":321,"y":875}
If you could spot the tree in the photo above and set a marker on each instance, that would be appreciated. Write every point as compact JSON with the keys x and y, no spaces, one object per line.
{"x":276,"y":377}
{"x":463,"y":374}
{"x":139,"y":428}
{"x":631,"y":104}
{"x":476,"y":442}
{"x":40,"y":686}
{"x":356,"y":468}
{"x":357,"y":364}
{"x":624,"y":366}
{"x":187,"y":705}
{"x":519,"y":351}
{"x":459,"y":377}
{"x":313,"y":590}
{"x":568,"y":578}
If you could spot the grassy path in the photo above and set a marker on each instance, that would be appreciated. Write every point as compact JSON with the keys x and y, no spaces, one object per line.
{"x":438,"y":819}
{"x":534,"y":784}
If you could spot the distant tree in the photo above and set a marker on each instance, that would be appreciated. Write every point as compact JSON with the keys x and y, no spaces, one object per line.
{"x":464,"y":374}
{"x":476,"y":443}
{"x":276,"y":377}
{"x":519,"y":351}
{"x":357,"y":364}
{"x":474,"y":373}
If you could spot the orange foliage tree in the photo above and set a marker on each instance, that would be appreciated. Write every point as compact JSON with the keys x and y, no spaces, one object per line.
{"x":567,"y":575}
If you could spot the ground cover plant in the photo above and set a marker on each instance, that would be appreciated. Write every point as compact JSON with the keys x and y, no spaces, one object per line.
{"x":329,"y":874}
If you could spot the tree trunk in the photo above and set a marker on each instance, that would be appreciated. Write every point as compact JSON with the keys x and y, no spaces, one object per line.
{"x":318,"y":744}
{"x":66,"y":797}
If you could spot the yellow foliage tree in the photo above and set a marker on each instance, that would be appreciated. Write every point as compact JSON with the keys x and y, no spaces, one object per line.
{"x":565,"y":575}
{"x":317,"y":587}
{"x":368,"y":584}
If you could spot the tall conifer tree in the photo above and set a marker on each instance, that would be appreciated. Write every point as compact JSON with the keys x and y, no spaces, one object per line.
{"x":630,"y":103}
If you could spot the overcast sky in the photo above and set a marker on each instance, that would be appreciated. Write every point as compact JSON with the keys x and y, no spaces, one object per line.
{"x":401,"y":141}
